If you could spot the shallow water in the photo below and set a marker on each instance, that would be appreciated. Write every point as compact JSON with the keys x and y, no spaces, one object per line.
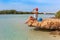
{"x":12,"y":27}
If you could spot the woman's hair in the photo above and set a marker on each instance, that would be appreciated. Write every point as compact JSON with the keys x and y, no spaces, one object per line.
{"x":36,"y":9}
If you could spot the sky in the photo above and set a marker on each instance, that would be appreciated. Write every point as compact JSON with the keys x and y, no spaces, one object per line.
{"x":29,"y":5}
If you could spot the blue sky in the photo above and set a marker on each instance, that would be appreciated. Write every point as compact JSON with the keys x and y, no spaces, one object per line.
{"x":28,"y":5}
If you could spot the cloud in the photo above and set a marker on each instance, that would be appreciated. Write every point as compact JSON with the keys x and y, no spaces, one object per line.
{"x":28,"y":5}
{"x":16,"y":6}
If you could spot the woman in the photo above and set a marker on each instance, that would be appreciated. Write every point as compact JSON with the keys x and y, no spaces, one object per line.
{"x":35,"y":12}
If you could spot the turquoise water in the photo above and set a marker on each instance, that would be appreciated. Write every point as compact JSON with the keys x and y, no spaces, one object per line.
{"x":12,"y":27}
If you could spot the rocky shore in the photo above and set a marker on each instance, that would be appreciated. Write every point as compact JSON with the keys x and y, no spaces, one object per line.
{"x":50,"y":23}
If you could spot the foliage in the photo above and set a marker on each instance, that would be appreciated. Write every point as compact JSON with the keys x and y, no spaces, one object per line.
{"x":57,"y":14}
{"x":13,"y":12}
{"x":17,"y":12}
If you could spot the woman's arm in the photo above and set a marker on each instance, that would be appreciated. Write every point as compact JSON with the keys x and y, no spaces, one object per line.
{"x":33,"y":11}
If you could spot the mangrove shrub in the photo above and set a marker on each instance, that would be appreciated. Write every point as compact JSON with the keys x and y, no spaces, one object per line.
{"x":57,"y":14}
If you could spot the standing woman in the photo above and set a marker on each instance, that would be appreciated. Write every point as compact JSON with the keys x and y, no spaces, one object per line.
{"x":35,"y":12}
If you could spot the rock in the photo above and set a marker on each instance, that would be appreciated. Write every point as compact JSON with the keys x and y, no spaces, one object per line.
{"x":51,"y":23}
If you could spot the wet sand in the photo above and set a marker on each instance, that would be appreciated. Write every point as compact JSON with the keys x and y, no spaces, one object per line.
{"x":42,"y":35}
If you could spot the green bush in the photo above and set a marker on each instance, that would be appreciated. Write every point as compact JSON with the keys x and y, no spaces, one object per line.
{"x":57,"y":14}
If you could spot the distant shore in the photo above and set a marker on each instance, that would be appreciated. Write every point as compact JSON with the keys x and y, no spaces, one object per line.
{"x":19,"y":12}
